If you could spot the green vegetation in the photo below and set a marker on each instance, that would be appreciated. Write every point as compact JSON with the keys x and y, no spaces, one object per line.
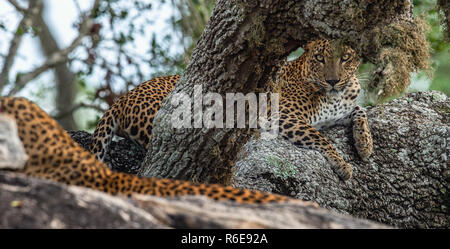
{"x":440,"y":49}
{"x":123,"y":26}
{"x":281,"y":167}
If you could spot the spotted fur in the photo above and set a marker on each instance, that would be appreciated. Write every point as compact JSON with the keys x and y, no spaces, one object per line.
{"x":131,"y":116}
{"x":318,"y":90}
{"x":55,"y":156}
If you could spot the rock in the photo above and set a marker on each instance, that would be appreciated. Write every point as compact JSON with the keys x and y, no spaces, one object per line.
{"x":35,"y":203}
{"x":404,"y":184}
{"x":12,"y":153}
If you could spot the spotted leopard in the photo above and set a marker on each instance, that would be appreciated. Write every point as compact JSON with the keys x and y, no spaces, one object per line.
{"x":318,"y":90}
{"x":53,"y":155}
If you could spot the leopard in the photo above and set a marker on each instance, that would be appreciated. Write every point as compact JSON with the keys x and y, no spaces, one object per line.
{"x":53,"y":155}
{"x":131,"y":116}
{"x":317,"y":90}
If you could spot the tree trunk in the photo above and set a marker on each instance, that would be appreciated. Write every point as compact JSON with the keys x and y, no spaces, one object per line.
{"x":65,"y":79}
{"x":241,"y":48}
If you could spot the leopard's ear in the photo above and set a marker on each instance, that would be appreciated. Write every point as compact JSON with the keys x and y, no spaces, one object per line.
{"x":308,"y":46}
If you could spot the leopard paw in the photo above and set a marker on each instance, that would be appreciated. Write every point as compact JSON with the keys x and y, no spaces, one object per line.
{"x":343,"y":169}
{"x":345,"y":172}
{"x":363,"y":144}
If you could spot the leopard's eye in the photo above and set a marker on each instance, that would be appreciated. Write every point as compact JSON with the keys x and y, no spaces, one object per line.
{"x":319,"y":58}
{"x":345,"y":57}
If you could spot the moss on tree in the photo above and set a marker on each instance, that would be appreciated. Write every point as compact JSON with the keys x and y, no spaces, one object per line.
{"x":444,"y":7}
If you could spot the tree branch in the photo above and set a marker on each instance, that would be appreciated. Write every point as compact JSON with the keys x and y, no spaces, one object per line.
{"x":64,"y":78}
{"x":76,"y":107}
{"x":57,"y":57}
{"x":242,"y":48}
{"x":24,"y":25}
{"x":17,"y":6}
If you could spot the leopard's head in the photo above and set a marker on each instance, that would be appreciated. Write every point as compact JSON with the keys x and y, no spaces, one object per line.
{"x":330,"y":64}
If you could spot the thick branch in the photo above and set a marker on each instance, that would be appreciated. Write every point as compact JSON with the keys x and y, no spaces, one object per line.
{"x":17,"y":6}
{"x":240,"y":50}
{"x":405,"y":183}
{"x":36,"y":203}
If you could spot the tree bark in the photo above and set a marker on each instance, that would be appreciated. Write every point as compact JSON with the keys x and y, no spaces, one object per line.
{"x":241,"y":48}
{"x":405,"y":183}
{"x":37,"y":203}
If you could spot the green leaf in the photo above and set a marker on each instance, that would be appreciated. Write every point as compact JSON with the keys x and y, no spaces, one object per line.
{"x":123,"y":14}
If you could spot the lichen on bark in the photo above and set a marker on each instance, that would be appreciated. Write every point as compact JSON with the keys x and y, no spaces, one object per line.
{"x":405,"y":183}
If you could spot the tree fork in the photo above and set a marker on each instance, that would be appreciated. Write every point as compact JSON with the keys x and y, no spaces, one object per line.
{"x":241,"y":49}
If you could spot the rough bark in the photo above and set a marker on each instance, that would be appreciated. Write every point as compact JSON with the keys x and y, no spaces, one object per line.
{"x":242,"y":47}
{"x":405,"y":183}
{"x":65,"y":79}
{"x":34,"y":203}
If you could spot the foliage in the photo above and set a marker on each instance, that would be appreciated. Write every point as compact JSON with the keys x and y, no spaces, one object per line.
{"x":190,"y":23}
{"x":440,"y":47}
{"x":119,"y":51}
{"x":168,"y":50}
{"x":434,"y":78}
{"x":444,"y":9}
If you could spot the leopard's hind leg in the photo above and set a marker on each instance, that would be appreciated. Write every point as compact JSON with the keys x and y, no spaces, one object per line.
{"x":103,"y":134}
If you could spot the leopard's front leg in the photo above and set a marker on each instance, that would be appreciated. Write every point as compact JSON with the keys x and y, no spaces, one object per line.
{"x":302,"y":134}
{"x":361,"y":133}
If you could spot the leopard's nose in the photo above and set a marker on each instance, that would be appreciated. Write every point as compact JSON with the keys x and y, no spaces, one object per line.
{"x":332,"y":82}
